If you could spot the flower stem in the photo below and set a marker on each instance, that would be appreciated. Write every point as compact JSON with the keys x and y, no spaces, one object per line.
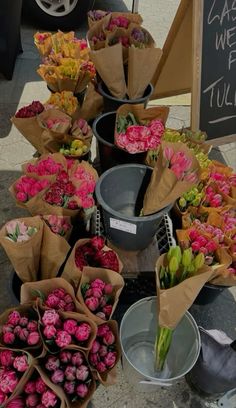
{"x":162,"y":345}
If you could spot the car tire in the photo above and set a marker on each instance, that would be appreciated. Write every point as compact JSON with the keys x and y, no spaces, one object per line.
{"x":54,"y":22}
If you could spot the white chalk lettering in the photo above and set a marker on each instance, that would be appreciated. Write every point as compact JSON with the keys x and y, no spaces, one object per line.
{"x":232,"y":58}
{"x":222,"y":119}
{"x":221,"y":94}
{"x":227,"y":13}
{"x":212,"y":88}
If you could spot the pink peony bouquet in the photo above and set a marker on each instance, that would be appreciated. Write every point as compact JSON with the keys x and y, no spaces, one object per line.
{"x":94,"y":254}
{"x":59,"y":332}
{"x":19,"y":329}
{"x":17,"y":231}
{"x":104,"y":353}
{"x":119,"y":21}
{"x":57,"y":299}
{"x":70,"y":370}
{"x":13,"y":365}
{"x":58,"y":224}
{"x":98,"y":297}
{"x":44,"y":167}
{"x":138,"y":137}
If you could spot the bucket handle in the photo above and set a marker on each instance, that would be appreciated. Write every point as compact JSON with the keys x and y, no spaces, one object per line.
{"x":162,"y":384}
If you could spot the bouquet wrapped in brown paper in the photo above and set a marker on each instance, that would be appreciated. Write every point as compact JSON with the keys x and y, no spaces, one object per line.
{"x":25,"y":120}
{"x":64,"y":101}
{"x":66,"y":194}
{"x":90,"y":252}
{"x":180,"y":277}
{"x":70,"y":369}
{"x":176,"y":171}
{"x":92,"y":105}
{"x":25,"y":254}
{"x":17,"y":366}
{"x":54,"y":293}
{"x":212,"y":245}
{"x":36,"y":388}
{"x":108,"y":286}
{"x":60,"y":330}
{"x":138,"y":129}
{"x":19,"y":329}
{"x":105,"y":352}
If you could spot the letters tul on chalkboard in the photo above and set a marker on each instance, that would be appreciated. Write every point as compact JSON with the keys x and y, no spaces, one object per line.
{"x":218,"y":69}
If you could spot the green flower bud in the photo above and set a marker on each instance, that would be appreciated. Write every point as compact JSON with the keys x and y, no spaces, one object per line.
{"x":182,"y":202}
{"x":173,"y":265}
{"x":196,"y":202}
{"x":177,"y":253}
{"x":187,"y":257}
{"x":199,"y":261}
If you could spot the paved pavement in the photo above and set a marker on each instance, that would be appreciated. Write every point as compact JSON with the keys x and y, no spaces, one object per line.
{"x":14,"y":150}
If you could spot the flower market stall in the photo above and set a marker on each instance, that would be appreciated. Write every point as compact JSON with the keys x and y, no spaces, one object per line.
{"x":155,"y":205}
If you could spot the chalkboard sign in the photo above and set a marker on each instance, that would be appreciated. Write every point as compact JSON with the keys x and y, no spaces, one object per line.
{"x":214,"y":69}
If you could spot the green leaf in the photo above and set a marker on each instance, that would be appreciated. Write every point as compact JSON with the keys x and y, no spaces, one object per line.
{"x":17,"y":231}
{"x":37,"y":293}
{"x":31,"y":231}
{"x":84,"y":288}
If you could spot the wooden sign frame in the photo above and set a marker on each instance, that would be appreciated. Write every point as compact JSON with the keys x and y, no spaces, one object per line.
{"x":197,"y":66}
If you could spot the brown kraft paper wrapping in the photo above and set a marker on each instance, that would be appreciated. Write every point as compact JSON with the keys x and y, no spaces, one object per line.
{"x":46,"y":286}
{"x":174,"y":302}
{"x":223,"y":276}
{"x":92,"y":105}
{"x":27,"y":310}
{"x":54,"y":250}
{"x":164,"y":187}
{"x":138,"y":78}
{"x":109,"y":60}
{"x":71,"y":272}
{"x":79,"y":317}
{"x":25,"y":256}
{"x":30,"y":129}
{"x":108,"y":276}
{"x":142,"y":114}
{"x":55,"y":114}
{"x":109,"y":377}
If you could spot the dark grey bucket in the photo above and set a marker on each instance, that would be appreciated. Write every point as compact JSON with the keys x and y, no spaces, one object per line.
{"x":120,"y":192}
{"x":112,"y":104}
{"x":109,"y":154}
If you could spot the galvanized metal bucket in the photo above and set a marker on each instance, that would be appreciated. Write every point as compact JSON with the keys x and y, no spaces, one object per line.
{"x":137,"y":336}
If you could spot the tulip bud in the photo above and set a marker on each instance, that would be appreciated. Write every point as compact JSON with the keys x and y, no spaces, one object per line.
{"x":187,"y":257}
{"x":199,"y":261}
{"x":176,"y":252}
{"x":173,"y":267}
{"x":182,"y":202}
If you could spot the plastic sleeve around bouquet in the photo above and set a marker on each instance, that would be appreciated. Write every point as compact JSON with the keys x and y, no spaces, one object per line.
{"x":108,"y":276}
{"x":25,"y":375}
{"x":26,"y":310}
{"x":109,"y":60}
{"x":75,"y":344}
{"x":71,"y":272}
{"x":109,"y":377}
{"x":25,"y":256}
{"x":30,"y":291}
{"x":164,"y":187}
{"x":174,"y":302}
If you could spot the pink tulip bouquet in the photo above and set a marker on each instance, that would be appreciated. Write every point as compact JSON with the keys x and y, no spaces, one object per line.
{"x":19,"y":328}
{"x":105,"y":351}
{"x":36,"y":393}
{"x":18,"y":231}
{"x":176,"y":172}
{"x":13,"y":366}
{"x":60,"y":330}
{"x":58,"y":224}
{"x":70,"y":370}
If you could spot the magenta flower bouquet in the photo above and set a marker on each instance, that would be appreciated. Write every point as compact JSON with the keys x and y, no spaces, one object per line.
{"x":99,"y":292}
{"x":70,"y":370}
{"x":105,"y":352}
{"x":66,"y":329}
{"x":19,"y":328}
{"x":13,"y":367}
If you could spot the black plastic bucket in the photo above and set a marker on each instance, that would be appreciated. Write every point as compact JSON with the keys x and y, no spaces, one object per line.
{"x":120,"y":192}
{"x":110,"y":155}
{"x":112,"y":104}
{"x":208,"y":294}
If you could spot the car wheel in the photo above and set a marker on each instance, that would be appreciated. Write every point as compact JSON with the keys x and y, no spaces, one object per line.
{"x":57,"y":14}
